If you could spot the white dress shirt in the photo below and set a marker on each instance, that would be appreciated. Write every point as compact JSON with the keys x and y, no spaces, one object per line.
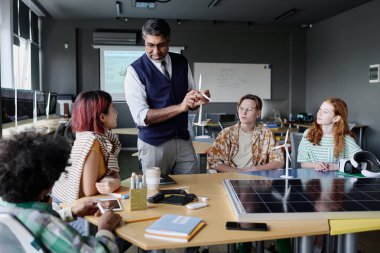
{"x":135,"y":93}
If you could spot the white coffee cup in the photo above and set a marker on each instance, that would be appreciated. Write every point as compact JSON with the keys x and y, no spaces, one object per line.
{"x":152,"y":178}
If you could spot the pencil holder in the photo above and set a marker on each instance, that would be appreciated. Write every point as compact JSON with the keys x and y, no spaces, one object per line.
{"x":138,"y":199}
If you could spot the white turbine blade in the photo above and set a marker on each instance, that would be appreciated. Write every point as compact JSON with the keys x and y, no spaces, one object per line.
{"x":286,"y":137}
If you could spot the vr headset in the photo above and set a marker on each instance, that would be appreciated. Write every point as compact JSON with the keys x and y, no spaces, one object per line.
{"x":362,"y":160}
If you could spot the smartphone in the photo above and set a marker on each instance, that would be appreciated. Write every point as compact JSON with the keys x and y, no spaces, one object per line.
{"x":109,"y":204}
{"x":251,"y":226}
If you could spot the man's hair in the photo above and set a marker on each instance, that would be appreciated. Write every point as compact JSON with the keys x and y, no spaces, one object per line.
{"x":156,"y":27}
{"x":88,"y":107}
{"x":29,"y":164}
{"x":257,"y":99}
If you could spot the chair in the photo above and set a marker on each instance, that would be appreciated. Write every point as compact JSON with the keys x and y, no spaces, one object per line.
{"x":227,"y":120}
{"x":213,"y":130}
{"x":64,"y":129}
{"x":295,"y":140}
{"x":15,"y":237}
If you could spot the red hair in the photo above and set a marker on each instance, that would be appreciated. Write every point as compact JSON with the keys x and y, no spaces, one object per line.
{"x":87,"y":108}
{"x":340,"y":127}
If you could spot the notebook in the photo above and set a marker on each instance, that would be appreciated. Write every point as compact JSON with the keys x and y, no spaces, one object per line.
{"x":177,"y":238}
{"x":174,"y":227}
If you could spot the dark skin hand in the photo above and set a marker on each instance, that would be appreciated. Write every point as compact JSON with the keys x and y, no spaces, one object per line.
{"x":109,"y":221}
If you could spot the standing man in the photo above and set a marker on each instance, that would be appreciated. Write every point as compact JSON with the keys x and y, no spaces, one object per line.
{"x":159,"y":89}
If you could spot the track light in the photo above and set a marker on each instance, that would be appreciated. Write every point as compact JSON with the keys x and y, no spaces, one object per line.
{"x":286,"y":15}
{"x":213,"y":3}
{"x":179,"y":21}
{"x":118,"y":9}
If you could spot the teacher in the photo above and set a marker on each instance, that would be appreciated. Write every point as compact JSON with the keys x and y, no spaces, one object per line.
{"x":159,"y":89}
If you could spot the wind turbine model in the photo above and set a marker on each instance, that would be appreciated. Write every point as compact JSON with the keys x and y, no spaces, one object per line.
{"x":286,"y":147}
{"x":200,"y":122}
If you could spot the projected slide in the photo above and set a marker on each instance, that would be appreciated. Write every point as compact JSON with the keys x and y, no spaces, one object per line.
{"x":114,"y":61}
{"x":115,"y":68}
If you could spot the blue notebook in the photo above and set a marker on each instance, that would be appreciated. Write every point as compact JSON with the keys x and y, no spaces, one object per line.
{"x":174,"y":225}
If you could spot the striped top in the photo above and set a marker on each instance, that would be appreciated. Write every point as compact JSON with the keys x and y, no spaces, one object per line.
{"x":308,"y":152}
{"x":67,"y":188}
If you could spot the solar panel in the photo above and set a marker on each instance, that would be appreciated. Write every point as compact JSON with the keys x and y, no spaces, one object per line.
{"x":294,"y":199}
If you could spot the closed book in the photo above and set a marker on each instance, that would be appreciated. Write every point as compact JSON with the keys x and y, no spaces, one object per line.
{"x":174,"y":225}
{"x":177,"y":238}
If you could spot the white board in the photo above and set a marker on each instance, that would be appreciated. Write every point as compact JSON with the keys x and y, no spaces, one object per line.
{"x":228,"y":82}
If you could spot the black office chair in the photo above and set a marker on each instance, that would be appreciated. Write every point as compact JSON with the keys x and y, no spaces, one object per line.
{"x":64,"y":130}
{"x":295,"y":140}
{"x":15,"y":237}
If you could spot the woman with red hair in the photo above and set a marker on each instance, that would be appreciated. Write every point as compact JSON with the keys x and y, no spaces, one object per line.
{"x":94,"y":166}
{"x":328,"y":139}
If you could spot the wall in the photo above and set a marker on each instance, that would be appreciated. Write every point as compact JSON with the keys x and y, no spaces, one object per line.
{"x":339,"y":52}
{"x":77,"y":68}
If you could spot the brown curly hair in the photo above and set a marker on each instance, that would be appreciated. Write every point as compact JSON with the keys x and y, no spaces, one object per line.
{"x":340,"y":127}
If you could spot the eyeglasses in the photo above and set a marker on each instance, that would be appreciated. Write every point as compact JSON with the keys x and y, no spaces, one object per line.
{"x":160,"y":46}
{"x":249,"y":109}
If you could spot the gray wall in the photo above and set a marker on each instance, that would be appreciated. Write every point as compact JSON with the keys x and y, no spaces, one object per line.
{"x":339,"y":52}
{"x":77,"y":68}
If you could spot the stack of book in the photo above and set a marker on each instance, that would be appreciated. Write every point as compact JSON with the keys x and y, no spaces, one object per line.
{"x":176,"y":228}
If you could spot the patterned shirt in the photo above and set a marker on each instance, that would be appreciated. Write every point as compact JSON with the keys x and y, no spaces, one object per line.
{"x":55,"y":234}
{"x":324,"y":152}
{"x":226,"y":146}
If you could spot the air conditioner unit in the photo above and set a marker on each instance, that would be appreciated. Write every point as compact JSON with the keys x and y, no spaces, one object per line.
{"x":114,"y":38}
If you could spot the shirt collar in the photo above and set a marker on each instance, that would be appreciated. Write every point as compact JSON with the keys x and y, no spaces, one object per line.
{"x":41,"y":206}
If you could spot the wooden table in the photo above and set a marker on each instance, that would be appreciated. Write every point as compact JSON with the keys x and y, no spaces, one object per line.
{"x":216,"y":215}
{"x":127,"y":131}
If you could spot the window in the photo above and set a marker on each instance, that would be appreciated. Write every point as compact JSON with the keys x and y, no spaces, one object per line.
{"x":26,"y":70}
{"x":21,"y":64}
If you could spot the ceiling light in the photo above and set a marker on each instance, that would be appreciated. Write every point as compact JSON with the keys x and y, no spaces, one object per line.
{"x":213,"y":3}
{"x":286,"y":15}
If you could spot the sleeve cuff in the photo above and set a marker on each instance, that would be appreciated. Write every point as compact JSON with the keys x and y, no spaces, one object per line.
{"x":105,"y":233}
{"x":66,"y":214}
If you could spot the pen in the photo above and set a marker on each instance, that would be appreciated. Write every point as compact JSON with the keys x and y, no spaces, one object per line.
{"x":145,"y":219}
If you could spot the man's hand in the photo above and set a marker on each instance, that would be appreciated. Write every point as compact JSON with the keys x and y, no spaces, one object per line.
{"x":107,"y":184}
{"x":190,"y":100}
{"x":84,"y":208}
{"x":109,"y":221}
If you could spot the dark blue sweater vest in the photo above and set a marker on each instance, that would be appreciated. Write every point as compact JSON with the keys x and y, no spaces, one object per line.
{"x":162,"y":93}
